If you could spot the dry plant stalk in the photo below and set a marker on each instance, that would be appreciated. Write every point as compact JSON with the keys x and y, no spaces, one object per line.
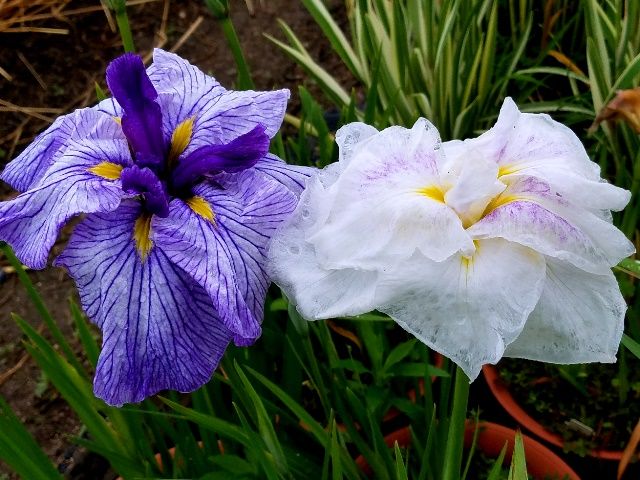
{"x":17,"y":15}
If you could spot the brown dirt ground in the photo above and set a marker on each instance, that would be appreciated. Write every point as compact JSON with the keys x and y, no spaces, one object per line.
{"x":68,"y":65}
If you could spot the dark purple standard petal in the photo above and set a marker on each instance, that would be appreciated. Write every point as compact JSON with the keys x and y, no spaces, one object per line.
{"x":227,"y":256}
{"x":239,"y":154}
{"x":142,"y":181}
{"x":142,"y":119}
{"x":159,"y":328}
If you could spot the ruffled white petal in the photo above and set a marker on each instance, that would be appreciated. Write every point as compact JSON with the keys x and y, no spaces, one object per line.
{"x":468,"y":310}
{"x":532,"y":144}
{"x":532,"y":215}
{"x":451,"y":239}
{"x":388,"y":202}
{"x":292,"y":264}
{"x":579,"y":318}
{"x":349,"y":136}
{"x":475,"y":184}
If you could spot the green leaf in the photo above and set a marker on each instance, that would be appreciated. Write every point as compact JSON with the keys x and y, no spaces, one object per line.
{"x":87,"y":339}
{"x":298,"y":410}
{"x":209,"y":422}
{"x":631,"y":345}
{"x":100,"y":93}
{"x":20,"y":451}
{"x":234,"y":464}
{"x":401,"y":470}
{"x":399,"y":353}
{"x":412,"y":369}
{"x":627,"y":77}
{"x":496,"y":470}
{"x":351,"y":364}
{"x":336,"y":451}
{"x":518,"y":469}
{"x":329,"y":85}
{"x":631,"y":266}
{"x":37,"y":301}
{"x":265,"y":425}
{"x":338,"y":41}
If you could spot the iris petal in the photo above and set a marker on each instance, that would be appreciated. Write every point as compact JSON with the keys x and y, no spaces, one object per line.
{"x":240,"y":154}
{"x":159,"y":328}
{"x":318,"y":293}
{"x":376,"y":211}
{"x":220,"y":115}
{"x":142,"y":181}
{"x":468,"y":309}
{"x":30,"y":222}
{"x":227,"y":257}
{"x":534,"y":216}
{"x":28,"y":168}
{"x":536,"y":145}
{"x":579,"y":318}
{"x":293,"y":177}
{"x":142,"y":118}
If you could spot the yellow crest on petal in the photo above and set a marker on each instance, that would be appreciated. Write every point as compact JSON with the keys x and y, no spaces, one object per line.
{"x":433,"y":192}
{"x":500,"y":201}
{"x":108,"y":170}
{"x":180,"y":138}
{"x":141,"y":235}
{"x":507,"y":170}
{"x":201,"y":207}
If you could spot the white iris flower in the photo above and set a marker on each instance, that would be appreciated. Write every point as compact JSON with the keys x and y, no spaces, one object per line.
{"x":501,"y":245}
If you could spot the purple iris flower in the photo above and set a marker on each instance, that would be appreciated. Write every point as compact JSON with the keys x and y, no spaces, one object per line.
{"x":181,"y":196}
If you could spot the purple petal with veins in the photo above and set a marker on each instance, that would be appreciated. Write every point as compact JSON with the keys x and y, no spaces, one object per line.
{"x":227,"y":256}
{"x":142,"y":181}
{"x":235,"y":156}
{"x":166,"y":316}
{"x":142,"y":118}
{"x":30,"y":222}
{"x":159,"y":327}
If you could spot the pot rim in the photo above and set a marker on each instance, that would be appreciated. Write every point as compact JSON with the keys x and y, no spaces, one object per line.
{"x":504,"y":397}
{"x":491,"y":438}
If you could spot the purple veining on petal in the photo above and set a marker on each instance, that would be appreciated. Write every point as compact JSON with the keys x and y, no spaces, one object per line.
{"x":83,"y":126}
{"x":142,"y":118}
{"x":167,"y":320}
{"x":248,"y":210}
{"x":142,"y":181}
{"x":532,"y":187}
{"x":527,"y":217}
{"x":292,"y":177}
{"x":159,"y":327}
{"x":30,"y":222}
{"x":240,"y":154}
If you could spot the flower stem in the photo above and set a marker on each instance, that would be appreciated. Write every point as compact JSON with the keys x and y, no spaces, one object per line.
{"x":453,"y":452}
{"x":120,"y":9}
{"x":244,"y":75}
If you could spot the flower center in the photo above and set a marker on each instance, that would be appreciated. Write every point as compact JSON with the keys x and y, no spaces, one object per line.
{"x":167,"y":169}
{"x":475,"y":188}
{"x":162,"y":168}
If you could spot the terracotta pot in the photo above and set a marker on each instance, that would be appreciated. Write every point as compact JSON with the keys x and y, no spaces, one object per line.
{"x":541,"y":462}
{"x":504,"y":397}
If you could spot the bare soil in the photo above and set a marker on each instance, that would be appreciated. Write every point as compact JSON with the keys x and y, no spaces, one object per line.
{"x":57,"y":73}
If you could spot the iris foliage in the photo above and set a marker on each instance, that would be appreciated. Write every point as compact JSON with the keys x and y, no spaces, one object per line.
{"x":312,"y":397}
